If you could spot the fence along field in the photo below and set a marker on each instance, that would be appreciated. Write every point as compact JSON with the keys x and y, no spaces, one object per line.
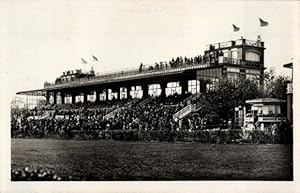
{"x":123,"y":160}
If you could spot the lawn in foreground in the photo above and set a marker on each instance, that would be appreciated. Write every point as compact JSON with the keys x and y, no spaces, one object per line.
{"x":119,"y":160}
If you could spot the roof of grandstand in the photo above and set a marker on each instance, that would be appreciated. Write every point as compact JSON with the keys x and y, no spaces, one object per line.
{"x":36,"y":92}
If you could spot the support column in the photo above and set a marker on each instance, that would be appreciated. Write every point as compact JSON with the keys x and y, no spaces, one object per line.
{"x":54,"y":98}
{"x":128,"y":92}
{"x":73,"y":98}
{"x":145,"y":90}
{"x":184,"y":86}
{"x":106,"y":92}
{"x":62,"y":95}
{"x":163,"y":87}
{"x":202,"y":86}
{"x":97,"y":96}
{"x":85,"y":97}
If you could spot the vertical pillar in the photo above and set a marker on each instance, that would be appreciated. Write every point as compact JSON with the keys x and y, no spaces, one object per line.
{"x":73,"y":98}
{"x":202,"y":86}
{"x":106,"y":92}
{"x":97,"y":96}
{"x":62,"y":95}
{"x":163,"y":87}
{"x":128,"y":92}
{"x":85,"y":97}
{"x":184,"y":86}
{"x":145,"y":90}
{"x":54,"y":98}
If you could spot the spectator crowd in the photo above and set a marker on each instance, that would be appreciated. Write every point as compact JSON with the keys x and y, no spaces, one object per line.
{"x":130,"y":119}
{"x":157,"y":114}
{"x":209,"y":58}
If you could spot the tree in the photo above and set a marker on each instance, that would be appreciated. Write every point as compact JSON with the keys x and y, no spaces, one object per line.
{"x":226,"y":96}
{"x":275,"y":86}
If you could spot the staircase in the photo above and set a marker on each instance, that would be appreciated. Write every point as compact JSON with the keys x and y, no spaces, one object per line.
{"x":113,"y":113}
{"x":145,"y":101}
{"x":197,"y":106}
{"x":189,"y":108}
{"x":184,"y":112}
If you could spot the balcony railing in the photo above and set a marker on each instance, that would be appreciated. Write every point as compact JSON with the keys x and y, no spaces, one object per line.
{"x":236,"y":43}
{"x":225,"y":60}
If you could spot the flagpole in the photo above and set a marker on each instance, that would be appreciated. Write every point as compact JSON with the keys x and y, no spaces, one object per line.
{"x":93,"y":64}
{"x":242,"y":34}
{"x":95,"y":60}
{"x":258,"y":31}
{"x":83,"y":62}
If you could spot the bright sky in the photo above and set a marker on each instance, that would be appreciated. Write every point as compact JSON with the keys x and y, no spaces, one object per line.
{"x":41,"y":39}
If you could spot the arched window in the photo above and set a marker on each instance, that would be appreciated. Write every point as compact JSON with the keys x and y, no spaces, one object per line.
{"x":252,"y":56}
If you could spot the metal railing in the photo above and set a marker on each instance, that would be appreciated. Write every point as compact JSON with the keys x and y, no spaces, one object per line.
{"x":183,"y":112}
{"x":237,"y":42}
{"x":225,"y":60}
{"x":254,"y":43}
{"x":145,"y":101}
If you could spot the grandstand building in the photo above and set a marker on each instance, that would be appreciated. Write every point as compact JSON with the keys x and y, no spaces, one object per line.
{"x":234,"y":59}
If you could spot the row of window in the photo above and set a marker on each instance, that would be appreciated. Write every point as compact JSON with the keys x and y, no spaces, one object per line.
{"x":136,"y":92}
{"x":172,"y":87}
{"x":235,"y":54}
{"x":248,"y":71}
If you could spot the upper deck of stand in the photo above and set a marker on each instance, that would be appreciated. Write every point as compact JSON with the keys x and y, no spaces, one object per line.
{"x":135,"y":73}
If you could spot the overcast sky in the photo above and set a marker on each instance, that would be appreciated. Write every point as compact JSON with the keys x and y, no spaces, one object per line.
{"x":41,"y":39}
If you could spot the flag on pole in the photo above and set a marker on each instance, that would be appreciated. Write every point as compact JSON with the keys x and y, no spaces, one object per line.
{"x":263,"y":23}
{"x":83,"y":61}
{"x":235,"y":28}
{"x":95,"y":58}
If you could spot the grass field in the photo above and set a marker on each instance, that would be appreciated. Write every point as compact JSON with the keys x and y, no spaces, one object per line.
{"x":118,"y":160}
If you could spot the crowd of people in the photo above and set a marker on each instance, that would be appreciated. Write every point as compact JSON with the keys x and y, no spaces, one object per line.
{"x":156,"y":114}
{"x":209,"y":58}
